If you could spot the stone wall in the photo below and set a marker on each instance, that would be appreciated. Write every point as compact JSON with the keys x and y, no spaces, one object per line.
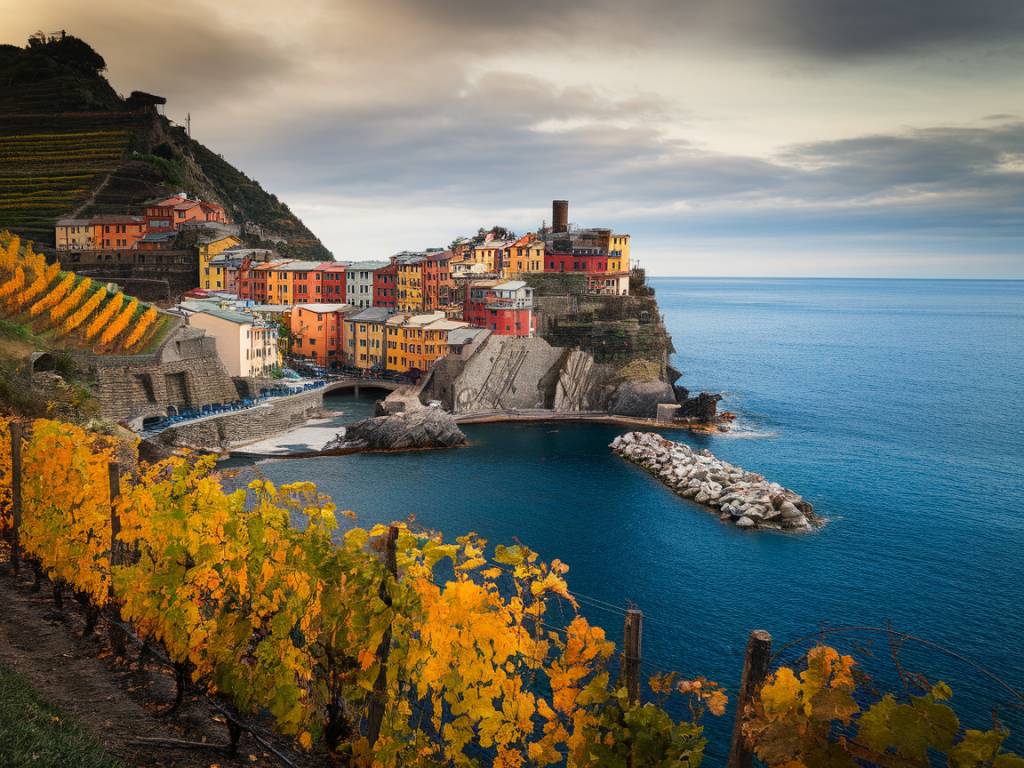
{"x":185,"y":372}
{"x":238,"y":428}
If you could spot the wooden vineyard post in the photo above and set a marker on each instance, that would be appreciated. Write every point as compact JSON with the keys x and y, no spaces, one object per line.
{"x":114,"y":632}
{"x":755,"y":670}
{"x":375,"y":711}
{"x":16,"y":435}
{"x":631,"y":642}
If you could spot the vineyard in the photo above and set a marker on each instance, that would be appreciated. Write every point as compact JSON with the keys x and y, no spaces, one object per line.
{"x":392,"y":647}
{"x":49,"y":168}
{"x":71,"y":310}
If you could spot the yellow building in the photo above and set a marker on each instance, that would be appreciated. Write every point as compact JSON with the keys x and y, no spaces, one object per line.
{"x":417,"y":342}
{"x":208,"y":248}
{"x":491,"y":253}
{"x":525,"y":255}
{"x":409,"y":283}
{"x":618,"y":253}
{"x":74,"y":235}
{"x":365,"y":338}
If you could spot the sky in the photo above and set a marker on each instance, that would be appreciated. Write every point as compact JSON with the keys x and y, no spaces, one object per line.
{"x":727,"y":137}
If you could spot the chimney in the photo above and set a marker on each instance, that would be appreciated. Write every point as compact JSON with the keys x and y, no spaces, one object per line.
{"x":559,"y":215}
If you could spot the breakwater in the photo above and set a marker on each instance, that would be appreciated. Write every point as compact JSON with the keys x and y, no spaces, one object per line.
{"x":743,"y":498}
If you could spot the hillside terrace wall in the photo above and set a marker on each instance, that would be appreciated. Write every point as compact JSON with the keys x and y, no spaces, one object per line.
{"x":231,"y":430}
{"x":185,"y":372}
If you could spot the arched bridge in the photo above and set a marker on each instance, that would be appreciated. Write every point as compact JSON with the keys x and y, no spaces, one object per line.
{"x":356,"y":384}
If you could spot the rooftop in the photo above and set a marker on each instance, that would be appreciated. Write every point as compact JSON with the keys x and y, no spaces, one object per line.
{"x":460,"y":336}
{"x":510,"y":285}
{"x":324,"y":309}
{"x":232,"y":316}
{"x":372,"y":315}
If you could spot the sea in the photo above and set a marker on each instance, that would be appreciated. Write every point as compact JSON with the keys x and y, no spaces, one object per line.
{"x":895,"y":406}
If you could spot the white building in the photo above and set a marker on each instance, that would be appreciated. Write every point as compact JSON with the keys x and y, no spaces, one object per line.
{"x":359,"y":282}
{"x":246,"y":344}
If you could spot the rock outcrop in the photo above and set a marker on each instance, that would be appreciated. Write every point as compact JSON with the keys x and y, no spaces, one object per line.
{"x":422,"y":428}
{"x":703,"y":407}
{"x":640,"y":399}
{"x":743,"y":498}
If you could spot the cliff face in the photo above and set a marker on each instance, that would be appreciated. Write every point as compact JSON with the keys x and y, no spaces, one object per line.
{"x":70,"y":145}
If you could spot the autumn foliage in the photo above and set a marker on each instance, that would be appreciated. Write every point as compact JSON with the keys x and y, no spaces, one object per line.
{"x":65,"y":303}
{"x":819,"y":717}
{"x":253,"y":592}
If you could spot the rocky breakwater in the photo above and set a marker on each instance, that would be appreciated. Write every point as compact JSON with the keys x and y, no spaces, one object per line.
{"x":406,"y":431}
{"x":744,"y":498}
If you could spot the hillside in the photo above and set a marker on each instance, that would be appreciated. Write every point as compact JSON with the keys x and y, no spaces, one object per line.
{"x":70,"y":145}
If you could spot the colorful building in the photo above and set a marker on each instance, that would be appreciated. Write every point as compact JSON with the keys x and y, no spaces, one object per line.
{"x":503,"y":308}
{"x":117,"y":232}
{"x":491,"y":253}
{"x":423,"y":281}
{"x":364,"y":335}
{"x":170,"y":213}
{"x":416,"y":342}
{"x":74,"y":235}
{"x":385,"y":286}
{"x":359,"y":282}
{"x":524,"y":255}
{"x":318,"y":332}
{"x":246,"y":344}
{"x":208,"y":247}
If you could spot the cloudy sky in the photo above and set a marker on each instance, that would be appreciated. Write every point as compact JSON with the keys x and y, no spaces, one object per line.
{"x":729,"y":137}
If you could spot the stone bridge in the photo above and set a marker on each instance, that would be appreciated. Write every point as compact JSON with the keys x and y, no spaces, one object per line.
{"x":356,"y":383}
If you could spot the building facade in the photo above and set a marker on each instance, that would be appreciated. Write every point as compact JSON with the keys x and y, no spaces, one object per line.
{"x":246,"y":344}
{"x":318,"y":332}
{"x":359,"y":282}
{"x":365,"y":338}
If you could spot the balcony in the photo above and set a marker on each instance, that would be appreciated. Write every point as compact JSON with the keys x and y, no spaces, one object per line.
{"x":496,"y":303}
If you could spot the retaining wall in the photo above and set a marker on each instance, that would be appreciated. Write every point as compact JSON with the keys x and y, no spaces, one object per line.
{"x":232,"y":430}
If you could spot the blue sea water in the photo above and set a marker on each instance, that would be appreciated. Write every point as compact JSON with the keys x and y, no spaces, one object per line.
{"x":896,"y":407}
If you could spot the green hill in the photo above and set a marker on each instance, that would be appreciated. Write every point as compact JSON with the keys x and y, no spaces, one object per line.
{"x":70,"y":145}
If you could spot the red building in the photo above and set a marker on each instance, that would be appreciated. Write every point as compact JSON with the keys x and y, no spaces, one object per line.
{"x":437,"y":282}
{"x":384,"y":282}
{"x":504,"y":308}
{"x":170,"y":213}
{"x":591,"y":264}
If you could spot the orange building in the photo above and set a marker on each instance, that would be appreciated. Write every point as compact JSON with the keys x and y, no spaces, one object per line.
{"x":318,"y":332}
{"x":170,"y":213}
{"x":117,"y":232}
{"x":524,"y":255}
{"x":415,"y":343}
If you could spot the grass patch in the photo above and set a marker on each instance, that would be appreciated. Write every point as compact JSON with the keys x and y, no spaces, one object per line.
{"x":639,"y":370}
{"x":35,"y":734}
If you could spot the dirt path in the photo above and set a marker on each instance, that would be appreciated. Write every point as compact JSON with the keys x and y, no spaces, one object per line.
{"x":113,"y":699}
{"x":92,"y":197}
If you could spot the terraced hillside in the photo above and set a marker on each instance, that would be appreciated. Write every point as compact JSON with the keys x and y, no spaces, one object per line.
{"x":69,"y":145}
{"x":50,"y":165}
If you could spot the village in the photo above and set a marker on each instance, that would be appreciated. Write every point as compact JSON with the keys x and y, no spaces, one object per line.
{"x":392,"y":317}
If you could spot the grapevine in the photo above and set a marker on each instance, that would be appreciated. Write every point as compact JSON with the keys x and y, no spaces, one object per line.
{"x":120,"y":322}
{"x":77,"y":317}
{"x":140,"y":328}
{"x":58,"y":292}
{"x":42,"y":280}
{"x":13,"y":284}
{"x":71,"y":301}
{"x":100,"y":321}
{"x":11,"y":244}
